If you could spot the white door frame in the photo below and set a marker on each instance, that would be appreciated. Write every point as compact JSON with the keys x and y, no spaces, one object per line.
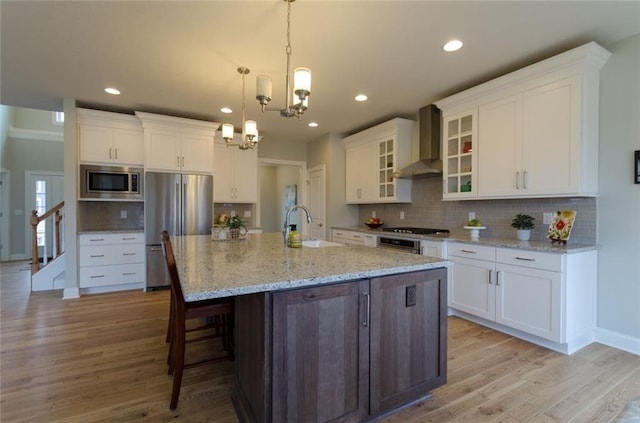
{"x":28,"y":203}
{"x":5,"y":180}
{"x":302,"y":179}
{"x":320,"y":168}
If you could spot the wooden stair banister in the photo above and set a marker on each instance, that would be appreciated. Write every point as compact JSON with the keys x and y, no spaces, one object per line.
{"x":35,"y":220}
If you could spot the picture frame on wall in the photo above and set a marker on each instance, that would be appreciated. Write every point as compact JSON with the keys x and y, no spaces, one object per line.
{"x":636,"y":168}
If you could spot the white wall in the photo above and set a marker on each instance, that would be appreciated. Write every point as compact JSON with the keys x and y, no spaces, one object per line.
{"x":619,"y":198}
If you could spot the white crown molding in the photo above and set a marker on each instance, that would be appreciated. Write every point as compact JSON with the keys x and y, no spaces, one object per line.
{"x":35,"y":135}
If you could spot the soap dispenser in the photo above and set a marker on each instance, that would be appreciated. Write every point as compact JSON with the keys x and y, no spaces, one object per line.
{"x":295,"y":239}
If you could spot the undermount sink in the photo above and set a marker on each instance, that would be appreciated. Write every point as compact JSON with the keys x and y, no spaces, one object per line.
{"x":318,"y":243}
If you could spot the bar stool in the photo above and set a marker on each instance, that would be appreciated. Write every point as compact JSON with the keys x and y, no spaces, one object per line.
{"x":219,"y":313}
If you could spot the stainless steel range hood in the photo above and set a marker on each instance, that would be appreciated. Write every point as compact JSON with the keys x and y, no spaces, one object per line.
{"x":429,"y":163}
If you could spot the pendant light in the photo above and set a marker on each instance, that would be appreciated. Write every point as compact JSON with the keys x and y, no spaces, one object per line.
{"x":249,"y":127}
{"x":301,"y":83}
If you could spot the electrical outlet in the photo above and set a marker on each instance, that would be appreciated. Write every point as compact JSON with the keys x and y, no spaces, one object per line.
{"x":247,"y":213}
{"x":233,"y":213}
{"x":373,"y":213}
{"x":472,"y":215}
{"x":401,"y":215}
{"x":547,"y":218}
{"x":123,"y":214}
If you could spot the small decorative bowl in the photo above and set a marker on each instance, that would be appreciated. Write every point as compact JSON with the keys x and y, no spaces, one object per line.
{"x":374,"y":225}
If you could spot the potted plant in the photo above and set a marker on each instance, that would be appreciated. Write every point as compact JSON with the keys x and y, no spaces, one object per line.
{"x":235,"y":224}
{"x":523,"y":223}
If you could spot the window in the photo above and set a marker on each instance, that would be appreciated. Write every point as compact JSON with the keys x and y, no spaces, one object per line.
{"x":57,"y":118}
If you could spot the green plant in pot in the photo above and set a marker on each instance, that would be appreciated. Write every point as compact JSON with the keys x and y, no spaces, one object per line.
{"x":523,"y":223}
{"x":237,"y":227}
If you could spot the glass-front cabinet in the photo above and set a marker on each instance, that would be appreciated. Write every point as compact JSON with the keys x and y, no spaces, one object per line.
{"x":386,"y":168}
{"x":460,"y":158}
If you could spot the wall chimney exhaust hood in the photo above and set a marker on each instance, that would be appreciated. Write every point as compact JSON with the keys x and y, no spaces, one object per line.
{"x":429,"y":163}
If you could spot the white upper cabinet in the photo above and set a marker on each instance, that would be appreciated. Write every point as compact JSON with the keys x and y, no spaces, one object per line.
{"x":110,"y":138}
{"x":177,"y":144}
{"x":235,"y":176}
{"x":537,"y":130}
{"x":460,"y":158}
{"x":372,"y":158}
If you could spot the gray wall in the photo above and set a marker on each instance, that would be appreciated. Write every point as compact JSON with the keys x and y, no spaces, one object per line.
{"x":21,"y":155}
{"x":619,"y":199}
{"x":268,"y":199}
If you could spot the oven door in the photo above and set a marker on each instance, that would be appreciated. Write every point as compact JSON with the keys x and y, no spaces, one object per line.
{"x":402,"y":244}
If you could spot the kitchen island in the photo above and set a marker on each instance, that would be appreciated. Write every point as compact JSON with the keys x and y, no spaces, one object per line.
{"x":341,"y":333}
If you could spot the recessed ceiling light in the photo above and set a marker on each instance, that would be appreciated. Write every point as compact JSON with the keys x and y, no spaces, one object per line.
{"x":361,"y":97}
{"x":313,"y":124}
{"x":226,"y":110}
{"x":112,"y":91}
{"x":453,"y":45}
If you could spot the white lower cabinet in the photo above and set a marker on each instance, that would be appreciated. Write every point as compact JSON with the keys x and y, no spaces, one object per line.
{"x":111,"y":259}
{"x":550,"y":296}
{"x":354,"y":238}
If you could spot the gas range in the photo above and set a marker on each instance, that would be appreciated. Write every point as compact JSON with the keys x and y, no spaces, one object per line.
{"x":416,"y":231}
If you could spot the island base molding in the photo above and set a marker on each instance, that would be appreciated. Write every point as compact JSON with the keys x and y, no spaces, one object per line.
{"x":354,"y":351}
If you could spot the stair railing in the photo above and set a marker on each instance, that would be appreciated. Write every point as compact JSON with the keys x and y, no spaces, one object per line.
{"x":35,"y":220}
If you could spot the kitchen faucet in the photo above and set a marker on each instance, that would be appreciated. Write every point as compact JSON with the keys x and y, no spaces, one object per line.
{"x":286,"y":230}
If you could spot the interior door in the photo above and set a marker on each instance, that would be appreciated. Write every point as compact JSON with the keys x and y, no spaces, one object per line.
{"x":44,"y":190}
{"x":317,"y":202}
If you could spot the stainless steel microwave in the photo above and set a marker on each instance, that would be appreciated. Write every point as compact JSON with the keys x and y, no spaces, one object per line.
{"x":111,"y":183}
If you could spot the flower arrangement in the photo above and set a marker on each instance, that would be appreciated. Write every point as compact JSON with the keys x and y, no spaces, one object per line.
{"x":235,"y":222}
{"x":523,"y":221}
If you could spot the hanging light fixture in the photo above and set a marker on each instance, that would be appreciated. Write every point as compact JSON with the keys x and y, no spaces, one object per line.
{"x":301,"y":83}
{"x":249,"y":127}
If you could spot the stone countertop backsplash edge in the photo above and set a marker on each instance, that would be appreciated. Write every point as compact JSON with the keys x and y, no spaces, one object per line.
{"x":490,"y":242}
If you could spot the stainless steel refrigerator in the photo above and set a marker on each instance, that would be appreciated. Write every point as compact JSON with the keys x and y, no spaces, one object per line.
{"x":179,"y":204}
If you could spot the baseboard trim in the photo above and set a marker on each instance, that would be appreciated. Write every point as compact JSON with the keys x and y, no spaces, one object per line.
{"x":617,"y":340}
{"x":70,"y":293}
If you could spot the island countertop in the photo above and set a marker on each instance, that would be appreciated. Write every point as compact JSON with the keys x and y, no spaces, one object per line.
{"x":260,"y":263}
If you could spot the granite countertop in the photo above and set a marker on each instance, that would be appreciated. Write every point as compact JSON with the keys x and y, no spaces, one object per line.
{"x":261,"y":263}
{"x":111,"y":231}
{"x":545,"y":247}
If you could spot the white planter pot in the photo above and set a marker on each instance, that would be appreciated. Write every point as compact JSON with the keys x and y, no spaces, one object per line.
{"x":524,"y":234}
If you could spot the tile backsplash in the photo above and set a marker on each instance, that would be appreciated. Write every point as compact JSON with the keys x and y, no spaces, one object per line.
{"x":428,"y":210}
{"x":108,"y":215}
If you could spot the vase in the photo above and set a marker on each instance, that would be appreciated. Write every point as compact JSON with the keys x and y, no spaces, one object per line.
{"x":524,"y":234}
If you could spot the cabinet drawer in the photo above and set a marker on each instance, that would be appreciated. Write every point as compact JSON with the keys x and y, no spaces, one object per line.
{"x":111,"y":275}
{"x":113,"y":238}
{"x":472,"y":251}
{"x":348,"y":237}
{"x":533,"y":259}
{"x":99,"y":255}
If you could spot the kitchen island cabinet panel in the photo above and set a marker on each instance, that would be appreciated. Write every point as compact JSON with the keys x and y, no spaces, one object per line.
{"x":320,"y":354}
{"x":408,"y":337}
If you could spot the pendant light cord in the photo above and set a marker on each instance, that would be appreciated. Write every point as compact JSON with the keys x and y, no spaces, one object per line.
{"x":288,"y":51}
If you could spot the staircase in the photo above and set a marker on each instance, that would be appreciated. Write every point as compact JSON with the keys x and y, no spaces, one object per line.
{"x":50,"y":273}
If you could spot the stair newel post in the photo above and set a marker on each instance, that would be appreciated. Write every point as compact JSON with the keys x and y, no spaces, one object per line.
{"x":57,"y":220}
{"x":34,"y":241}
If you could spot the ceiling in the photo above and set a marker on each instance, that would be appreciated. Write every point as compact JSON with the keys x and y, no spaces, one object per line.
{"x":180,"y":58}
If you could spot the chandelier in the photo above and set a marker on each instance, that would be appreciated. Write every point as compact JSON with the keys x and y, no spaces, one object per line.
{"x":301,"y":83}
{"x":249,"y":127}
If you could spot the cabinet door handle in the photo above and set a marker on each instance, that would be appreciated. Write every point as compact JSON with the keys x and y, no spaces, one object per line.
{"x":109,"y":154}
{"x":129,"y":273}
{"x":525,"y":258}
{"x":96,"y":255}
{"x":367,"y":310}
{"x":524,"y":179}
{"x":469,"y":251}
{"x":129,"y":254}
{"x":96,"y":276}
{"x":182,"y":162}
{"x":177,"y":161}
{"x":131,"y":238}
{"x":517,"y":180}
{"x":490,"y":274}
{"x":498,"y":277}
{"x":116,"y":151}
{"x":96,"y":239}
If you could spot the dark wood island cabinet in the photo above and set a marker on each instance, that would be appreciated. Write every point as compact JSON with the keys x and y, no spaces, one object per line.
{"x":345,"y":352}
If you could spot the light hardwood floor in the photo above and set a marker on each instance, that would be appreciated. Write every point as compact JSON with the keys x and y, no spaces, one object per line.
{"x":101,"y":358}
